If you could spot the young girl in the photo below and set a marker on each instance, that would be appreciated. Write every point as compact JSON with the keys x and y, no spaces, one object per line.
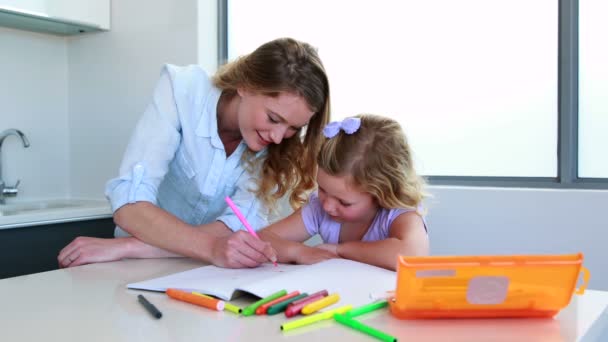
{"x":368,"y":206}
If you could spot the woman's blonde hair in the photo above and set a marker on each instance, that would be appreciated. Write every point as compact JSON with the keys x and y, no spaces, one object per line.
{"x":378,"y":159}
{"x":284,"y":65}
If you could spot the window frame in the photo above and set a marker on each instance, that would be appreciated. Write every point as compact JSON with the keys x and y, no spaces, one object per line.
{"x":567,"y":120}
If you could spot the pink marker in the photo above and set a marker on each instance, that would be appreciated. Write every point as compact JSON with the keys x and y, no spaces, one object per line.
{"x":243,"y":220}
{"x":295,"y":307}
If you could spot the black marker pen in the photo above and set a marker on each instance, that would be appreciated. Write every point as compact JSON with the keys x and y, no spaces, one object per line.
{"x":149,"y":306}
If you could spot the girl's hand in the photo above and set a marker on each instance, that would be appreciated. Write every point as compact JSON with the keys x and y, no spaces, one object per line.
{"x":311,"y":255}
{"x":87,"y":250}
{"x":330,"y":247}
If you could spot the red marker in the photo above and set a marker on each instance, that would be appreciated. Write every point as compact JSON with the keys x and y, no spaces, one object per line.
{"x":295,"y":307}
{"x":264,"y":307}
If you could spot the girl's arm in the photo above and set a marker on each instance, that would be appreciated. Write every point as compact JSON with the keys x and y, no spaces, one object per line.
{"x":286,"y":237}
{"x":407,"y":236}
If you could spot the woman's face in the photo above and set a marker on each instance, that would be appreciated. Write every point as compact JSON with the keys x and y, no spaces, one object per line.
{"x":265,"y":120}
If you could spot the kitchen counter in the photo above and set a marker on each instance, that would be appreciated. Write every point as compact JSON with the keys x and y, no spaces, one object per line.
{"x":16,"y":214}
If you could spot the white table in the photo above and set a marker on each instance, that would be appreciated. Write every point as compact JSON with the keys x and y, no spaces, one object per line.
{"x":91,"y":303}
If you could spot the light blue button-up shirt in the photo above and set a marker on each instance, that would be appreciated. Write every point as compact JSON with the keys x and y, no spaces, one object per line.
{"x":176,"y":160}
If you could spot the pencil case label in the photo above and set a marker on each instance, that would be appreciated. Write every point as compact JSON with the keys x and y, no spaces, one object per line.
{"x":435,"y":273}
{"x":487,"y":290}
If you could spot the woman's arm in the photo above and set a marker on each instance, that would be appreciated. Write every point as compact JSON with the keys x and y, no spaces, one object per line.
{"x":157,"y":227}
{"x":86,"y":250}
{"x":213,"y":242}
{"x":227,"y":250}
{"x":286,"y":237}
{"x":407,"y":236}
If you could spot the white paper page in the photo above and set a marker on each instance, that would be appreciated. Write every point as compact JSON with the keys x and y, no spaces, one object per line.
{"x":353,"y":281}
{"x":216,"y":281}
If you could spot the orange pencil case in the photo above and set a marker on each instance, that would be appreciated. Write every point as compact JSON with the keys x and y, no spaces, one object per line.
{"x":486,"y":286}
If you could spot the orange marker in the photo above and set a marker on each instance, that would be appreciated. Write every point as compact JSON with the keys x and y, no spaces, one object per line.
{"x":320,"y":304}
{"x":210,"y":303}
{"x":262,"y":309}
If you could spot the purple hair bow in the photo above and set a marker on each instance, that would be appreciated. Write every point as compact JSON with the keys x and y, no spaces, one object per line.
{"x":348,"y":125}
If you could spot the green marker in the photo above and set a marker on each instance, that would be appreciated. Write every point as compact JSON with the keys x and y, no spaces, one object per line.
{"x":351,"y":323}
{"x":314,"y":318}
{"x":366,"y":308}
{"x":250,"y":310}
{"x":280,"y":307}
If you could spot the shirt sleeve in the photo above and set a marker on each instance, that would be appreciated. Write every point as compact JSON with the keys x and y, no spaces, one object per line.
{"x":254,"y":210}
{"x":150,"y":150}
{"x":394,"y":213}
{"x":312,"y":214}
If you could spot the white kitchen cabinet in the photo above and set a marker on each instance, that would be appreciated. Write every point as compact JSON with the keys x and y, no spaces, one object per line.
{"x":63,"y":17}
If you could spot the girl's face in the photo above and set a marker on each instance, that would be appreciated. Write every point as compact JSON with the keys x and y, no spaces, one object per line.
{"x":265,"y":120}
{"x":342,"y":201}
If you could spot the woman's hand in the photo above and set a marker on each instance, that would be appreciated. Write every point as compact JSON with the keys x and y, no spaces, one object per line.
{"x":312,"y":255}
{"x":240,"y":250}
{"x":87,"y":250}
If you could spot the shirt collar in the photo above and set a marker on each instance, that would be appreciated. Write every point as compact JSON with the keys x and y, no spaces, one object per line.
{"x":207,"y":127}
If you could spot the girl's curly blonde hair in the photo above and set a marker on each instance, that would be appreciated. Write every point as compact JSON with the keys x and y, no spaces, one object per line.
{"x":378,"y":159}
{"x":284,"y":65}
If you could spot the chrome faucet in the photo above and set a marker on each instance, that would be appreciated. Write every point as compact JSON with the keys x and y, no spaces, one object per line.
{"x":6,"y":191}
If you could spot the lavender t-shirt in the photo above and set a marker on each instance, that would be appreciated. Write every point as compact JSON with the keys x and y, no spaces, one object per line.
{"x":317,"y":221}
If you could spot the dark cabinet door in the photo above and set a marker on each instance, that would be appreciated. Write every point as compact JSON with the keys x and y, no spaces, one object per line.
{"x":34,"y":249}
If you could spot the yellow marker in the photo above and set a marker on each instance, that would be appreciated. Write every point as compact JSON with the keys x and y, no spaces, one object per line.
{"x":232,"y":308}
{"x":320,"y":304}
{"x":227,"y":306}
{"x":315,"y":318}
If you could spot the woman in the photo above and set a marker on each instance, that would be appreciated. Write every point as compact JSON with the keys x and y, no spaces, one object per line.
{"x":251,"y":133}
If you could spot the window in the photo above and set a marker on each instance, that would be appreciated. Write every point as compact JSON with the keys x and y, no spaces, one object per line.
{"x":474,"y":83}
{"x":593,"y":89}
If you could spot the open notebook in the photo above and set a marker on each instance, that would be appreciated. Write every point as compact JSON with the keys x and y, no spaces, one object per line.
{"x":353,"y":281}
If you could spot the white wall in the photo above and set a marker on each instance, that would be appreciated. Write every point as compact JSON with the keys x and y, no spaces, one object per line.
{"x":208,"y":35}
{"x":33,"y":99}
{"x":521,"y":221}
{"x":111,"y":78}
{"x":78,"y":98}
